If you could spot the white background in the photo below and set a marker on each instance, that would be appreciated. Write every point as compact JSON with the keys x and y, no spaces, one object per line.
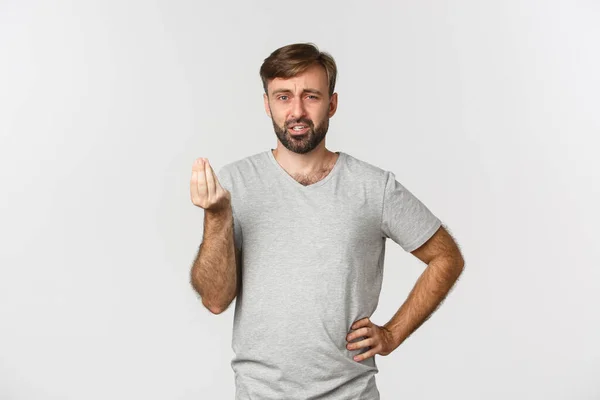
{"x":487,"y":111}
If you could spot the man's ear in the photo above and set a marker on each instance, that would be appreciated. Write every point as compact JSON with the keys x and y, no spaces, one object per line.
{"x":267,"y":107}
{"x":333,"y":102}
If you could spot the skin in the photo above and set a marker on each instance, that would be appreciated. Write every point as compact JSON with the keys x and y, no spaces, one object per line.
{"x":302,"y":99}
{"x":216,"y":270}
{"x":445,"y":265}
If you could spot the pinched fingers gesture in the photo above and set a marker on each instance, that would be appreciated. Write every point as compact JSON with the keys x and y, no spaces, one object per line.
{"x":205,"y":190}
{"x":378,"y":338}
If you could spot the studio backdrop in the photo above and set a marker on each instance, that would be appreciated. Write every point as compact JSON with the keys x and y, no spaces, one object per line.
{"x":488,"y":111}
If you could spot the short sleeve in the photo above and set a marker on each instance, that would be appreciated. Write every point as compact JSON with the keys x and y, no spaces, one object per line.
{"x":226,"y":181}
{"x":404,"y":218}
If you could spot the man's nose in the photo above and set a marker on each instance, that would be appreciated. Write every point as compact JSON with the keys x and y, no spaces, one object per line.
{"x":298,"y":110}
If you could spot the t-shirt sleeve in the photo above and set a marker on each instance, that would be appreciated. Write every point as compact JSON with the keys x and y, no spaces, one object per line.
{"x":404,"y":218}
{"x":226,"y":181}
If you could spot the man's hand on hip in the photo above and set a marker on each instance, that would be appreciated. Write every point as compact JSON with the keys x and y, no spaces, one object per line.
{"x":379,"y":338}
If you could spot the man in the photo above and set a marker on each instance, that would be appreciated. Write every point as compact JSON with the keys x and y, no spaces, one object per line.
{"x":298,"y":234}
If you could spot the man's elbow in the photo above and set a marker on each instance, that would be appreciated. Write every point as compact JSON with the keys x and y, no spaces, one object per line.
{"x":216,"y":308}
{"x":458,"y":263}
{"x":453,"y":265}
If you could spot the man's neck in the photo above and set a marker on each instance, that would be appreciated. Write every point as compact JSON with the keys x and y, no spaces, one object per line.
{"x":313,"y":164}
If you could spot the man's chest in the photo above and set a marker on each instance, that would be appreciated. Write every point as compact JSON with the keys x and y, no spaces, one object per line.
{"x":309,"y":224}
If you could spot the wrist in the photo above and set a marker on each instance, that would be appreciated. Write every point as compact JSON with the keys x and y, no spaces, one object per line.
{"x":219,"y":213}
{"x":394,"y":333}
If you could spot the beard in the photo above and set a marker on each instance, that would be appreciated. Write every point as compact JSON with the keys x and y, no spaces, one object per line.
{"x":306,"y":142}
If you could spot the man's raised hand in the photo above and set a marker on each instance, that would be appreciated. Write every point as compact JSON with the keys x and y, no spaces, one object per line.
{"x":205,"y":189}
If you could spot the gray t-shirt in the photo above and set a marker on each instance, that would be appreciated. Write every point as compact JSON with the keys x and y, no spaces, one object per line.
{"x":312,"y":265}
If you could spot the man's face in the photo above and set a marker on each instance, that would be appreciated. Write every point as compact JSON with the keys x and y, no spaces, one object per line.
{"x":302,"y":101}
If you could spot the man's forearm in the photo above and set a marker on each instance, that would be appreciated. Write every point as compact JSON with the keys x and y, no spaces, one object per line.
{"x":214,"y":273}
{"x":430,"y":290}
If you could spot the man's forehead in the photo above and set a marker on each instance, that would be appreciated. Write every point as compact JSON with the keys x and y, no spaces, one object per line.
{"x":295,"y":85}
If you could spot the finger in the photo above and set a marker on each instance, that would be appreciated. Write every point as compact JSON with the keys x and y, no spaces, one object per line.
{"x":210,"y":180}
{"x":361,"y":322}
{"x":197,"y":165}
{"x":201,"y":183}
{"x":194,"y":193}
{"x":215,"y":177}
{"x":365,"y":355}
{"x":363,"y":343}
{"x":357,"y":333}
{"x":194,"y":186}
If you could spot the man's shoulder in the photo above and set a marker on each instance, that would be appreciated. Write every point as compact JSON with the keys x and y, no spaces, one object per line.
{"x":365,"y":169}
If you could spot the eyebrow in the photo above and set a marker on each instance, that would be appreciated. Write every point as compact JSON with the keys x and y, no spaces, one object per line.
{"x":308,"y":90}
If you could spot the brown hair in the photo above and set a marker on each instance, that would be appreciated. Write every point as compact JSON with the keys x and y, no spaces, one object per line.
{"x":293,"y":59}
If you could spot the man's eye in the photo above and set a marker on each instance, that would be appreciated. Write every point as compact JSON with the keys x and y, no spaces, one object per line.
{"x":282,"y":98}
{"x":314,"y":97}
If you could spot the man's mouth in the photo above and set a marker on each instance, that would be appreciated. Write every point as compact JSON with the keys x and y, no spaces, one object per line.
{"x":298,"y":129}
